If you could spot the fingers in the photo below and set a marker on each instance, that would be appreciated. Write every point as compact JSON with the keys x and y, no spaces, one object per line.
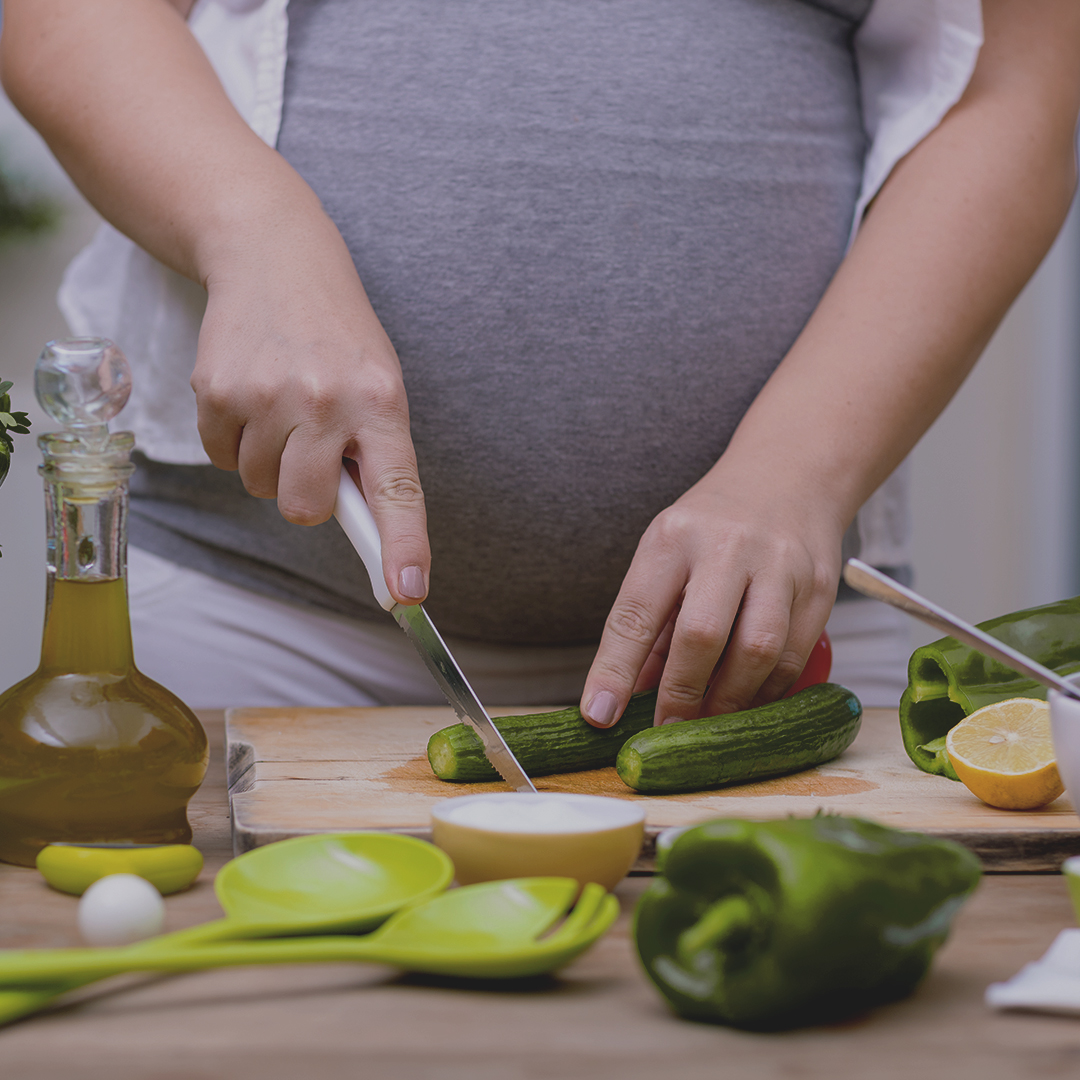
{"x":635,"y":625}
{"x":717,"y":617}
{"x":676,"y":588}
{"x":263,"y":440}
{"x":717,"y":664}
{"x":653,"y":668}
{"x":309,"y":472}
{"x":669,"y":618}
{"x":807,"y":622}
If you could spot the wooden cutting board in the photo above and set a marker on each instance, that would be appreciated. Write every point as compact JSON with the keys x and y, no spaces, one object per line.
{"x":298,"y":771}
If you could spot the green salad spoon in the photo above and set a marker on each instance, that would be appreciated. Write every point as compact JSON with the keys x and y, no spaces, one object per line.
{"x":330,"y":883}
{"x":497,"y":929}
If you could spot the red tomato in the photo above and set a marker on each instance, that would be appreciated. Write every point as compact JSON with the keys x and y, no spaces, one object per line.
{"x":818,"y":665}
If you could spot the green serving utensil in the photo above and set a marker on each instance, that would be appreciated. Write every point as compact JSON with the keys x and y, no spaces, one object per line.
{"x":492,"y":930}
{"x":330,"y":883}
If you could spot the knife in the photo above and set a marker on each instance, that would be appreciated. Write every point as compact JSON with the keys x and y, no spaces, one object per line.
{"x":354,"y":517}
{"x":873,"y":583}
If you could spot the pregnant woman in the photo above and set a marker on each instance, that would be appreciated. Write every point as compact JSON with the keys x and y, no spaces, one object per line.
{"x":625,"y":309}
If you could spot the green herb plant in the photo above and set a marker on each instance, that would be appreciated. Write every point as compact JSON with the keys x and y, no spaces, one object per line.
{"x":17,"y":423}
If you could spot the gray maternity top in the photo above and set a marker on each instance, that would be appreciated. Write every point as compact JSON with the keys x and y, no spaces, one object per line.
{"x":591,"y":228}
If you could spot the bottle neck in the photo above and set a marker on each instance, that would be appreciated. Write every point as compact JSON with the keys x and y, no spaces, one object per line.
{"x":87,"y":628}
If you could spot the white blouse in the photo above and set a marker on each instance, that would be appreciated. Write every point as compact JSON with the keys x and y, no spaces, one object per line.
{"x":915,"y":58}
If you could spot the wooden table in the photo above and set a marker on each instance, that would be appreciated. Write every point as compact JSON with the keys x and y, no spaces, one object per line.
{"x":599,"y":1019}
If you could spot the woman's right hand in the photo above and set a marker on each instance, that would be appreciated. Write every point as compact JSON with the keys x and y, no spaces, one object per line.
{"x":295,"y":372}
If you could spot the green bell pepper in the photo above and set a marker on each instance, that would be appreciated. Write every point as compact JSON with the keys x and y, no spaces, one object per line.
{"x":774,"y":925}
{"x":948,"y":681}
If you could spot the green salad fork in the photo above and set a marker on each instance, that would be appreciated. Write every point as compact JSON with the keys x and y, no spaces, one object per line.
{"x":497,"y":929}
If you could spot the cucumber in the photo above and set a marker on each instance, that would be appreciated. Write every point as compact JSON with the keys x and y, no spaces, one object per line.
{"x":796,"y":733}
{"x":544,"y":743}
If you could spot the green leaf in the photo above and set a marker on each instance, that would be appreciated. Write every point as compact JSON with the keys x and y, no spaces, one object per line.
{"x":19,"y":422}
{"x":10,"y":421}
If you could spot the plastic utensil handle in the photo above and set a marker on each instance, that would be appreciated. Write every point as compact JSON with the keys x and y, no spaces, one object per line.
{"x":354,"y":517}
{"x":17,"y":1003}
{"x":872,"y":582}
{"x":30,"y":968}
{"x":41,"y":969}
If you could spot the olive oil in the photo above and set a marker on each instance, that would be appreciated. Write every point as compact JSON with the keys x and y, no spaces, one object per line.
{"x":91,"y":750}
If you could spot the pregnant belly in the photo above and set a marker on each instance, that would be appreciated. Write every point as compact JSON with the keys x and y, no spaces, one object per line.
{"x":591,"y":231}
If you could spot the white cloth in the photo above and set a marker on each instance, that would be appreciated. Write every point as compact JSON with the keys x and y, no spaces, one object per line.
{"x":267,"y":652}
{"x":1050,"y":985}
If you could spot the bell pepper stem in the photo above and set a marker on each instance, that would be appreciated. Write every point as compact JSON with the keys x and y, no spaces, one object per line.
{"x":729,"y":918}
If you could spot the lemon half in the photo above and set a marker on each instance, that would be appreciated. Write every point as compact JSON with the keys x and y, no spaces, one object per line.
{"x":1003,"y":753}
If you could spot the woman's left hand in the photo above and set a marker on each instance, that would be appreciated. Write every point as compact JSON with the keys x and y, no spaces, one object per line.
{"x":727,"y":593}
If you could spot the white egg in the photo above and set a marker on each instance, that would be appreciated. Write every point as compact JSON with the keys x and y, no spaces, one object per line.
{"x":119,"y":909}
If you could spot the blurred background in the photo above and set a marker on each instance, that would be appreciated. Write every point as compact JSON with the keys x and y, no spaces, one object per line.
{"x":996,"y":481}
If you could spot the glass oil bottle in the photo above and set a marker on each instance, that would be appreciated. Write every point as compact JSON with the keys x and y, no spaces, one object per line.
{"x":91,"y":750}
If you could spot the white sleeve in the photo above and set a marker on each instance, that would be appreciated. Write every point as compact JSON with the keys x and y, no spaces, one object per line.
{"x":915,"y":60}
{"x":246,"y":42}
{"x":114,"y":289}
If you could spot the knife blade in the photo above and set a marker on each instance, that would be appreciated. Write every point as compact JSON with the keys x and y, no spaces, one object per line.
{"x":354,"y":516}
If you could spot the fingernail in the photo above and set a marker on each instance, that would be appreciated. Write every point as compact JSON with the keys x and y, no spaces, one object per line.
{"x":602,"y":708}
{"x":672,"y":720}
{"x":411,"y":582}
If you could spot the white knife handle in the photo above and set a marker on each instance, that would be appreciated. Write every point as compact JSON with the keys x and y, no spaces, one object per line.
{"x":354,"y":517}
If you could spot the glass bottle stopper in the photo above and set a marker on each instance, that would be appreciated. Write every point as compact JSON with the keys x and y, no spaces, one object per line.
{"x":82,"y":383}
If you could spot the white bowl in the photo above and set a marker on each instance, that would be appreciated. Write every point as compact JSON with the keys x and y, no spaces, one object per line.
{"x":1065,"y":731}
{"x":549,"y":834}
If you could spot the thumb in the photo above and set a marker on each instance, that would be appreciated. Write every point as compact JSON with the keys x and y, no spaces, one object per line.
{"x":396,"y":500}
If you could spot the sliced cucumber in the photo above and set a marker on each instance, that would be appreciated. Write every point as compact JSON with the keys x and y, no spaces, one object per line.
{"x":796,"y":733}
